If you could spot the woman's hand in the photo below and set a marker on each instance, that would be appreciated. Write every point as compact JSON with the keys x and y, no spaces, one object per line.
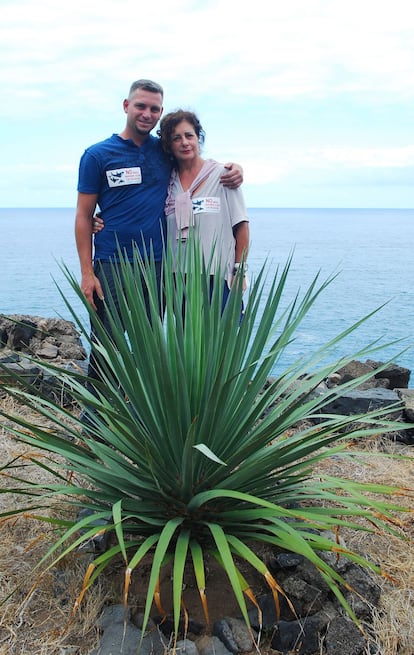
{"x":97,"y":223}
{"x":245,"y":282}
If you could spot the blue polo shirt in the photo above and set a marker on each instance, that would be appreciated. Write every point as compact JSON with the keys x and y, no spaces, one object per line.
{"x":131,"y":182}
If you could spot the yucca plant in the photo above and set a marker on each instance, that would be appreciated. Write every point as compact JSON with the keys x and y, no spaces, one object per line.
{"x":191,"y":450}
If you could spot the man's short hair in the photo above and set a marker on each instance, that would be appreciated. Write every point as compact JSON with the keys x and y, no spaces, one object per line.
{"x":146,"y":85}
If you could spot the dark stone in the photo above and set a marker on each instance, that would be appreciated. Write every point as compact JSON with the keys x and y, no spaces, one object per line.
{"x":298,"y":636}
{"x":392,"y":376}
{"x":338,"y":562}
{"x":21,"y":334}
{"x":166,"y":625}
{"x":355,"y":369}
{"x":285,"y":562}
{"x":243,"y":637}
{"x":363,"y":401}
{"x":407,"y":397}
{"x":405,"y":436}
{"x":22,"y":371}
{"x":207,"y":645}
{"x":308,"y":572}
{"x":10,"y":359}
{"x":187,"y":647}
{"x":99,"y":542}
{"x":344,"y":637}
{"x":119,"y":634}
{"x":222,"y":630}
{"x":365,"y":592}
{"x":267,"y":606}
{"x":398,"y":376}
{"x":306,"y":598}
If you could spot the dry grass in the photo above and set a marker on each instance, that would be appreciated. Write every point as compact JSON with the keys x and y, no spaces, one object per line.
{"x":394,"y":618}
{"x":36,"y":619}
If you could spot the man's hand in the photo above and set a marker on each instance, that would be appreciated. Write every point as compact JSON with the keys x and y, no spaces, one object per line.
{"x":234,"y":177}
{"x":91,"y":285}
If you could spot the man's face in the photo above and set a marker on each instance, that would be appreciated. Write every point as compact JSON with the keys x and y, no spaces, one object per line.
{"x":143,"y":110}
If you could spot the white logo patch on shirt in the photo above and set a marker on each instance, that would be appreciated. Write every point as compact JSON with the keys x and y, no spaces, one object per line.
{"x":210,"y":204}
{"x":121,"y":176}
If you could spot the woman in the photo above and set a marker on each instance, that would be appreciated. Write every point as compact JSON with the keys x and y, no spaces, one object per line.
{"x":197,"y":200}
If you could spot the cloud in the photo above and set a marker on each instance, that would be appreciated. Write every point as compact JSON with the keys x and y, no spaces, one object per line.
{"x":331,"y":162}
{"x":277,"y":51}
{"x":368,"y":157}
{"x":291,"y":90}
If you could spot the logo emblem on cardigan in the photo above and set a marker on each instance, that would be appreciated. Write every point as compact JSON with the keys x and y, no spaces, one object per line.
{"x":210,"y":204}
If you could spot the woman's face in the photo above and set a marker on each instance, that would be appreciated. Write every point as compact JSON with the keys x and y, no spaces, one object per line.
{"x":184,"y":142}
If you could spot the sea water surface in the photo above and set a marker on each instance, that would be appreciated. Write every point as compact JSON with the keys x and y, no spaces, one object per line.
{"x":371,"y":250}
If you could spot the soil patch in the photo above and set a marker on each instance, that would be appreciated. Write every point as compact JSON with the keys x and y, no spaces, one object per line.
{"x":220,"y":596}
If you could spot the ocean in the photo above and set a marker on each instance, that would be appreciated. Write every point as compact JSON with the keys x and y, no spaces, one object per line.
{"x":370,"y":250}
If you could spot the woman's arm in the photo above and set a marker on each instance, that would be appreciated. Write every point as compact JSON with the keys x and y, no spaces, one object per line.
{"x":242,"y":236}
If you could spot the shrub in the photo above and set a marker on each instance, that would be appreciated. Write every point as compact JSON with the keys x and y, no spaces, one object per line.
{"x":191,"y":449}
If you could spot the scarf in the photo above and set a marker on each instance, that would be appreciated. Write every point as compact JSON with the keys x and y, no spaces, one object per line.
{"x":182,"y":203}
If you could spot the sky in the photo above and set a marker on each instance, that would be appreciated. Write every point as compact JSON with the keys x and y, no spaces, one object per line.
{"x":314,"y":98}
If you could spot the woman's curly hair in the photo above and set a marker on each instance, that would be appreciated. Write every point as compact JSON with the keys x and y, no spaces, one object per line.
{"x":174,"y":118}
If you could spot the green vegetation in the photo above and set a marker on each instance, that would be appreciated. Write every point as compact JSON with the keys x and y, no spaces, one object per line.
{"x":191,"y":449}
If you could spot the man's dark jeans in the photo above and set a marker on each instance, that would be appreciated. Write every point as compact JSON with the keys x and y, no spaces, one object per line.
{"x":105,"y":273}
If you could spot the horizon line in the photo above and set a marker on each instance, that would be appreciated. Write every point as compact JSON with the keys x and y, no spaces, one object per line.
{"x":278,"y":207}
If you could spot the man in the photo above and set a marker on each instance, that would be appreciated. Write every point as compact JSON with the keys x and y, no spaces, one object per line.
{"x":127,"y":177}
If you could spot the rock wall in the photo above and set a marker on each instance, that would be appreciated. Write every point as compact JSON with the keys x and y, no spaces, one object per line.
{"x":25,"y":340}
{"x":45,"y":338}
